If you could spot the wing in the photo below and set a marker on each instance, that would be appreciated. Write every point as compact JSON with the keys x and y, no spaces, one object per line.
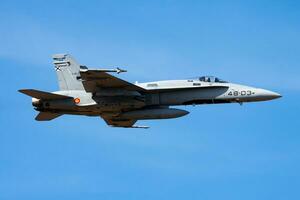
{"x":125,"y":123}
{"x":93,"y":80}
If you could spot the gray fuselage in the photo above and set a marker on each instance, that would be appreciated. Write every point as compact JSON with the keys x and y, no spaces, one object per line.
{"x":161,"y":94}
{"x":95,"y":92}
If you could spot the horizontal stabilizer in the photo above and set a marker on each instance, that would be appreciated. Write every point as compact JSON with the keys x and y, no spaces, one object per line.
{"x":46,"y":116}
{"x":43,"y":95}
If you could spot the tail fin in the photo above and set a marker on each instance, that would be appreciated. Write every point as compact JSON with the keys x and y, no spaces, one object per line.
{"x":67,"y":70}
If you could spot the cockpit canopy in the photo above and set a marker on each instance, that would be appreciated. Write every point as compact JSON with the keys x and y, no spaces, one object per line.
{"x":211,"y":79}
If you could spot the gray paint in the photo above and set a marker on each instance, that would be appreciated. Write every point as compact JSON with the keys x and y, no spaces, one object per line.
{"x":120,"y":103}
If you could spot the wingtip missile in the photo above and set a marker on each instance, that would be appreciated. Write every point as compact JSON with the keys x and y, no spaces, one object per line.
{"x":134,"y":126}
{"x":137,"y":126}
{"x":118,"y":70}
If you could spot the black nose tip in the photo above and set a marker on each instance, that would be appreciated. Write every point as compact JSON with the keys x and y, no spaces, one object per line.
{"x":276,"y":95}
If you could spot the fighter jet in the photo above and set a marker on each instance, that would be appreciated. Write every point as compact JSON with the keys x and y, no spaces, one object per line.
{"x":95,"y":92}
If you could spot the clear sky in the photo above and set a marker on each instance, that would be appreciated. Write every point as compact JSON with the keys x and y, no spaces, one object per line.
{"x":217,"y":152}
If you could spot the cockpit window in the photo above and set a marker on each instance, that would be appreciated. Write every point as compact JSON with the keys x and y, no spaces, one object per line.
{"x":202,"y":79}
{"x":211,"y":79}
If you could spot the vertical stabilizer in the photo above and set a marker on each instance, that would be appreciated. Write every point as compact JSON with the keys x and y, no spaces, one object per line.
{"x":67,"y":70}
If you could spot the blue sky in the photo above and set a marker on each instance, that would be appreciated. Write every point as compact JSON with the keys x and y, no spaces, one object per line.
{"x":216,"y":152}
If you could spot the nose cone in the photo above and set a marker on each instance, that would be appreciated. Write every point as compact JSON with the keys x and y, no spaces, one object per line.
{"x":275,"y":95}
{"x":268,"y":95}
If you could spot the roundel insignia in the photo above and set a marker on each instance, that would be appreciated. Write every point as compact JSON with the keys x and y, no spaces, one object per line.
{"x":77,"y":100}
